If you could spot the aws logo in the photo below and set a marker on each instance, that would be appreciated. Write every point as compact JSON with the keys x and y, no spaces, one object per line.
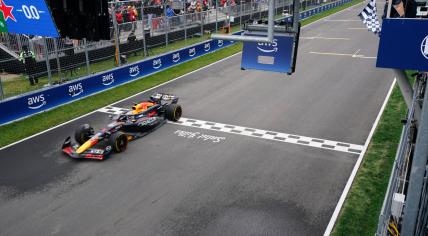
{"x":176,"y":57}
{"x":36,"y":102}
{"x":207,"y":47}
{"x":157,"y":63}
{"x":108,"y":79}
{"x":220,"y":43}
{"x":268,"y":47}
{"x":134,"y":71}
{"x":75,"y":89}
{"x":424,"y":47}
{"x":192,"y":52}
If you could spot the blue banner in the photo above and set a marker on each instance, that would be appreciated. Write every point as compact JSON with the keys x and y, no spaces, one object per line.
{"x":27,"y":17}
{"x":274,"y":56}
{"x":404,"y":44}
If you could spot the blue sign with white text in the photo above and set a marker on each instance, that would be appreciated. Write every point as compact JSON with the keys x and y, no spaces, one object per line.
{"x":404,"y":44}
{"x":274,"y":56}
{"x":27,"y":17}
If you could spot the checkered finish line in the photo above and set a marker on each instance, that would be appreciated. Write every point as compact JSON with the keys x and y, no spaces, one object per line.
{"x":258,"y":133}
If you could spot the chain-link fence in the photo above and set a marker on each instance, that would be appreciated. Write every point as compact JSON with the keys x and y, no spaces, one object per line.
{"x":139,"y":29}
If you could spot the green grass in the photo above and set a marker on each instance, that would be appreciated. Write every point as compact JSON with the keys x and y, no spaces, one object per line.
{"x":24,"y":128}
{"x":360,"y":212}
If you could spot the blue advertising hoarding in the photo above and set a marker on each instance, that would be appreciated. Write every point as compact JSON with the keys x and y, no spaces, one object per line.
{"x":27,"y":17}
{"x":403,"y":44}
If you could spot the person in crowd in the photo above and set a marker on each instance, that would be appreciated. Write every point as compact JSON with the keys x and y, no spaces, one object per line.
{"x":192,"y":9}
{"x":28,"y":59}
{"x":199,"y":10}
{"x":396,"y":11}
{"x":170,"y":16}
{"x":119,"y":17}
{"x":132,"y":18}
{"x":205,"y":8}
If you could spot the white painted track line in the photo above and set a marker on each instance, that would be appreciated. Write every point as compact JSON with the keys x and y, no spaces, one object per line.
{"x":343,"y":20}
{"x":355,"y":55}
{"x":257,"y":133}
{"x":325,"y":38}
{"x":357,"y":165}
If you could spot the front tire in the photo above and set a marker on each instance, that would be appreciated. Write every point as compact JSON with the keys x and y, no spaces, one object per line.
{"x":83,"y":134}
{"x":173,"y":112}
{"x":118,"y":142}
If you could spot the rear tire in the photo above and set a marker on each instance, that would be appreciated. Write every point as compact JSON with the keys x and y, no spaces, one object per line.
{"x":118,"y":142}
{"x":83,"y":134}
{"x":173,"y":112}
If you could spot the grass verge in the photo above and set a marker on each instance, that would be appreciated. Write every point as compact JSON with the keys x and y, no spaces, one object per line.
{"x":360,"y":212}
{"x":32,"y":125}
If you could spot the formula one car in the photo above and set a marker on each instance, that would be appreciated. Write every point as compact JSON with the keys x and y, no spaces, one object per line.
{"x":144,"y":117}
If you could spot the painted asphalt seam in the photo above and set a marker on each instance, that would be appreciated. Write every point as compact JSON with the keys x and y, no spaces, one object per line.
{"x":348,"y":185}
{"x":355,"y":55}
{"x":257,"y":133}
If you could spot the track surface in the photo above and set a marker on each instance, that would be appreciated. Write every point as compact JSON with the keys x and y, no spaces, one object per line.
{"x":171,"y":184}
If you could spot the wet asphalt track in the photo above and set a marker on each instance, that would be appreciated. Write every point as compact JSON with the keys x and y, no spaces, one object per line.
{"x":171,"y":184}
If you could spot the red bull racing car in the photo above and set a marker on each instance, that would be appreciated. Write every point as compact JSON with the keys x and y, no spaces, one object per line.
{"x":144,"y":117}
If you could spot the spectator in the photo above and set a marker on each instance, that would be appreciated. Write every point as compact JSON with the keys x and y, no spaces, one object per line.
{"x":28,"y":59}
{"x":169,"y":14}
{"x":119,"y":17}
{"x":205,"y":7}
{"x":192,"y":9}
{"x":199,"y":10}
{"x":131,"y":14}
{"x":396,"y":11}
{"x":132,"y":18}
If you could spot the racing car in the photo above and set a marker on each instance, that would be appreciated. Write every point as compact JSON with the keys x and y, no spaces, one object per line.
{"x":143,"y":118}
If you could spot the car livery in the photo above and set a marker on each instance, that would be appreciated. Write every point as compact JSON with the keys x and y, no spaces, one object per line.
{"x":144,"y":118}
